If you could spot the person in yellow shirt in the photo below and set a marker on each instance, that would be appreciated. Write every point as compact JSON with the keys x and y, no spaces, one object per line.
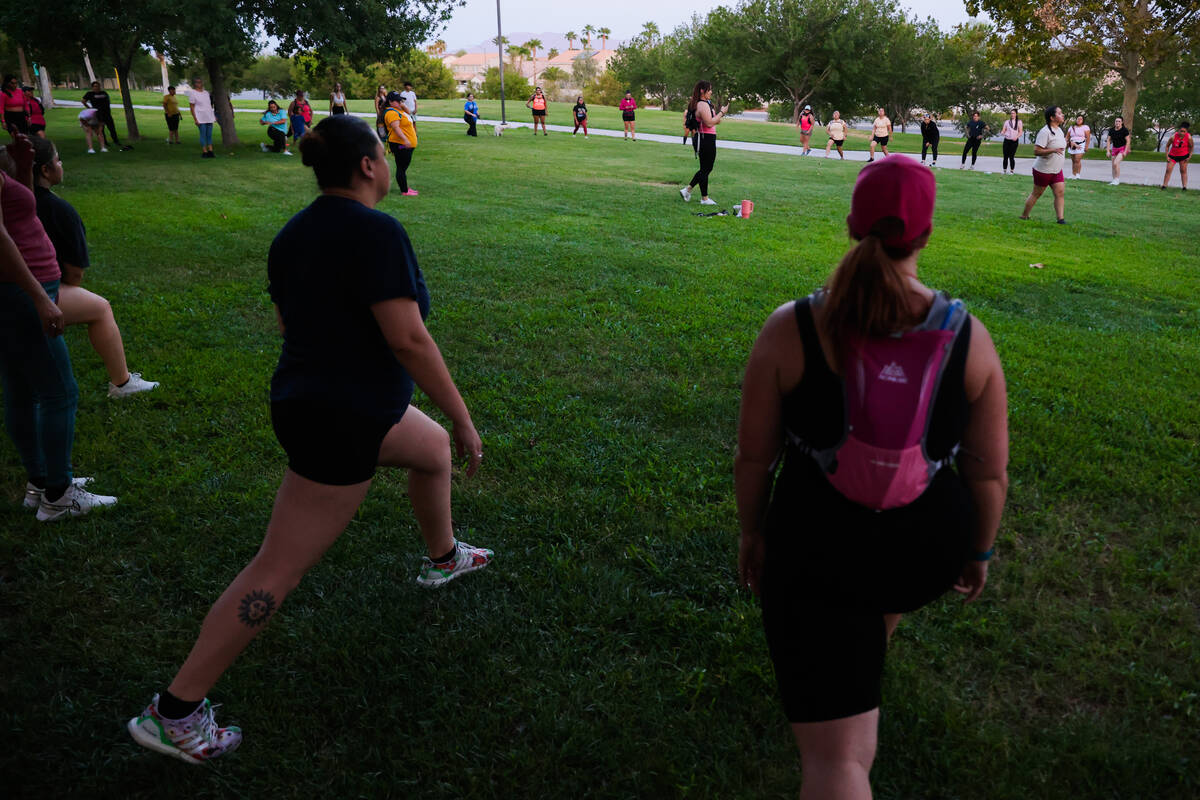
{"x":171,"y":110}
{"x":402,"y":139}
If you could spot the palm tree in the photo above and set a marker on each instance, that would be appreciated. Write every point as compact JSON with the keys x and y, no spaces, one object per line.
{"x":650,"y":31}
{"x":588,"y":30}
{"x":520,"y":54}
{"x":437,"y":48}
{"x":571,"y":36}
{"x":604,"y":33}
{"x":501,"y":42}
{"x":532,"y":46}
{"x":553,"y":54}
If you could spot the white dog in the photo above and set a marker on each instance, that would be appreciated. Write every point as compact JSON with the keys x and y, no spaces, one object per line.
{"x":497,"y":130}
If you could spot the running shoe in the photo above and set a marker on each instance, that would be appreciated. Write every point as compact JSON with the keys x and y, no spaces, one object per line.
{"x":466,"y":559}
{"x":708,"y":201}
{"x":262,"y":146}
{"x":75,"y":502}
{"x":1115,"y":182}
{"x":410,"y":193}
{"x":134,"y":385}
{"x":194,"y":739}
{"x":686,"y":194}
{"x":103,"y":149}
{"x":288,"y":153}
{"x":33,"y":495}
{"x":91,"y":150}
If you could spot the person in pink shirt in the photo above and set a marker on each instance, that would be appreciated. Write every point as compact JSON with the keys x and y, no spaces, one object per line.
{"x":1012,"y":130}
{"x":16,"y":118}
{"x":628,"y":106}
{"x":1078,"y":137}
{"x":806,"y":123}
{"x":36,"y":113}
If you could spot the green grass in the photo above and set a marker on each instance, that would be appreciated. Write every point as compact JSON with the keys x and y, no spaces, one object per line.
{"x":598,"y":331}
{"x":669,"y":123}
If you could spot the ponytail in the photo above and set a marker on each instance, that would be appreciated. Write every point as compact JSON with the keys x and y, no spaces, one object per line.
{"x":866,"y":295}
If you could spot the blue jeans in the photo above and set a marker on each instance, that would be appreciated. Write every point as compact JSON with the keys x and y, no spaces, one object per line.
{"x":40,"y":394}
{"x":205,"y":134}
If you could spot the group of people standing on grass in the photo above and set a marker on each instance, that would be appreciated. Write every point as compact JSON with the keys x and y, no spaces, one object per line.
{"x":23,"y":111}
{"x":43,"y":258}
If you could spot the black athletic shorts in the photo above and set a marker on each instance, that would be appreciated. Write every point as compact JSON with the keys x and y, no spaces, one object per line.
{"x":883,"y":140}
{"x":1179,"y":159}
{"x":334,"y":446}
{"x":36,"y":128}
{"x":539,"y":112}
{"x":172,"y":121}
{"x":627,"y":116}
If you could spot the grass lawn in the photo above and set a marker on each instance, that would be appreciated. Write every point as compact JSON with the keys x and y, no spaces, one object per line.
{"x":598,"y":331}
{"x":669,"y":123}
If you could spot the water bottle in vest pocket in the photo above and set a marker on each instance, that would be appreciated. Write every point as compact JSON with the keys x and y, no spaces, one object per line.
{"x":889,"y":386}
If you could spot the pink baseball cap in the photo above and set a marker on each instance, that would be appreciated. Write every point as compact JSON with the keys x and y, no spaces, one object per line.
{"x":896,"y":187}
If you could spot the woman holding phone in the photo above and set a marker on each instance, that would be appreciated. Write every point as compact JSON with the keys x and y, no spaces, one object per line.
{"x":707,"y":120}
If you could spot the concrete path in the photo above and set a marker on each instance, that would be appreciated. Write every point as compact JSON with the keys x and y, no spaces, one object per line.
{"x":1145,"y":173}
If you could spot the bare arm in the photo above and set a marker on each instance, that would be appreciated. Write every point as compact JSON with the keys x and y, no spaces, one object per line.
{"x":400,"y":321}
{"x":985,"y":447}
{"x":760,"y":436}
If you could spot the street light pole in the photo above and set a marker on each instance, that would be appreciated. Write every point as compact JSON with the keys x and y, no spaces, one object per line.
{"x":500,"y":45}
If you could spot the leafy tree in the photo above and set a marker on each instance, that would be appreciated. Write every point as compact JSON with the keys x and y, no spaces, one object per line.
{"x":605,"y":90}
{"x":657,"y":67}
{"x":583,"y":70}
{"x":1098,"y":100}
{"x":915,"y":73}
{"x":795,"y":50}
{"x":1130,"y":37}
{"x":429,"y":76}
{"x":974,"y":81}
{"x":556,"y":74}
{"x":1172,"y":94}
{"x":516,"y":87}
{"x":272,"y":75}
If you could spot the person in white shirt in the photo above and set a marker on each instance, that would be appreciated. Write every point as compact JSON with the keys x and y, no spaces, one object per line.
{"x":409,"y":100}
{"x":1079,"y":136}
{"x":836,"y":131}
{"x":1049,"y":147}
{"x":881,"y":133}
{"x":201,"y":106}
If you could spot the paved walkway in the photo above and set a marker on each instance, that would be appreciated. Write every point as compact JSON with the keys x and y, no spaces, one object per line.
{"x":1145,"y":173}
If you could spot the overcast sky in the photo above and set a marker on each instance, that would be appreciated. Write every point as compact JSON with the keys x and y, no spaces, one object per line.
{"x":475,"y":22}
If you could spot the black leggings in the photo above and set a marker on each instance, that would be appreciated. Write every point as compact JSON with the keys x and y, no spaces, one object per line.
{"x":1010,"y":154}
{"x":470,"y":120}
{"x":278,"y":139}
{"x":403,"y":156}
{"x":925,"y":145}
{"x":706,"y":148}
{"x":972,"y":146}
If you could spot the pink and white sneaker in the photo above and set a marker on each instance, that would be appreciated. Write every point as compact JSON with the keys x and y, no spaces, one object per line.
{"x":194,"y":739}
{"x":410,"y":193}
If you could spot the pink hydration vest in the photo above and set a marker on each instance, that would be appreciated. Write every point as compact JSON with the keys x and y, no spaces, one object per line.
{"x":890,"y":384}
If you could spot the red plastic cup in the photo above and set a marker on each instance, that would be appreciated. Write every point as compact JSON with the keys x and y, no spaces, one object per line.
{"x":747,"y":207}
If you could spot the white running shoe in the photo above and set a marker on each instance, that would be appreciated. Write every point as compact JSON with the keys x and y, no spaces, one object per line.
{"x":932,"y":164}
{"x":33,"y":495}
{"x":194,"y":739}
{"x":262,"y":146}
{"x":466,"y":559}
{"x":134,"y":385}
{"x":287,"y":152}
{"x":972,"y":168}
{"x":686,"y":194}
{"x":75,"y":502}
{"x":708,"y":201}
{"x":103,"y":149}
{"x":962,"y":166}
{"x":1115,"y":182}
{"x":91,"y":150}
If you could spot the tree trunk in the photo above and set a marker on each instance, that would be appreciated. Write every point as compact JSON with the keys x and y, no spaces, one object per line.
{"x":124,"y":61}
{"x":1132,"y":77}
{"x":26,"y":80}
{"x":221,"y":103}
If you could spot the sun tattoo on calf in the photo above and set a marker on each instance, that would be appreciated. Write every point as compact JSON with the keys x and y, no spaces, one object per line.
{"x":256,"y":608}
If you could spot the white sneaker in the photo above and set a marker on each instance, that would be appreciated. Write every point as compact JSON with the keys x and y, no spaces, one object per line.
{"x":708,"y":201}
{"x":262,"y":146}
{"x":932,"y":164}
{"x":91,"y":150}
{"x":962,"y":166}
{"x":972,"y":168}
{"x":33,"y":495}
{"x":75,"y":502}
{"x":287,"y":152}
{"x":134,"y":385}
{"x":194,"y":739}
{"x":103,"y":149}
{"x":1115,"y":182}
{"x":686,"y":194}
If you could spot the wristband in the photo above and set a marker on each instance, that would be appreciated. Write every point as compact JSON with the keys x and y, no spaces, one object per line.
{"x":984,"y":556}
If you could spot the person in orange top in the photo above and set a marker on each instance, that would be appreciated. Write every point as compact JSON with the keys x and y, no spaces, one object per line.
{"x":402,"y":139}
{"x":538,"y":104}
{"x":1178,"y":152}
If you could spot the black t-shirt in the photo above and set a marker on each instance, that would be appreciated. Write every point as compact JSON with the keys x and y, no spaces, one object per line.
{"x":975,"y":129}
{"x":64,"y":227}
{"x":327,"y":267}
{"x":580,"y":111}
{"x":98,"y":100}
{"x":1117,"y":137}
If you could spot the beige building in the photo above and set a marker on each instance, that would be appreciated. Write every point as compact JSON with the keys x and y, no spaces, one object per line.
{"x":472,"y":67}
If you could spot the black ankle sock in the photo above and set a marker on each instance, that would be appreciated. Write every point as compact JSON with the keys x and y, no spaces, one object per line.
{"x":39,"y":481}
{"x":53,"y":493}
{"x":449,"y":556}
{"x":172,"y":707}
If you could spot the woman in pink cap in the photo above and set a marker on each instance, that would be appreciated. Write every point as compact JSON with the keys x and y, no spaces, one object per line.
{"x":835,"y":569}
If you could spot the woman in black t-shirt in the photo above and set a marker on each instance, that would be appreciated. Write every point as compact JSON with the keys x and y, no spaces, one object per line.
{"x":354,"y":343}
{"x":579,"y":113}
{"x":1118,"y":148}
